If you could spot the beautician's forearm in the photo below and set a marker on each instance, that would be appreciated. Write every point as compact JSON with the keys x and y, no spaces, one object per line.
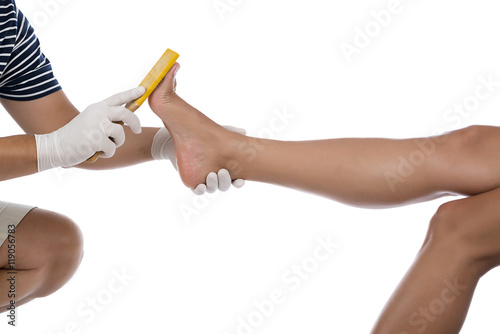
{"x":17,"y":156}
{"x":135,"y":150}
{"x":52,"y":112}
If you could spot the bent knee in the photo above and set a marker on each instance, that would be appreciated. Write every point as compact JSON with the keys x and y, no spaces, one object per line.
{"x":63,"y":251}
{"x":469,"y":139}
{"x":68,"y":239}
{"x":62,"y":237}
{"x":450,"y":223}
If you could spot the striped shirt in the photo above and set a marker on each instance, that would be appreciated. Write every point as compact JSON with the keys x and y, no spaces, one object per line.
{"x":25,"y":72}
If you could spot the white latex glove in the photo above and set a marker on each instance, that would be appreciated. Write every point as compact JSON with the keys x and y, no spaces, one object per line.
{"x":163,"y":148}
{"x":91,"y":131}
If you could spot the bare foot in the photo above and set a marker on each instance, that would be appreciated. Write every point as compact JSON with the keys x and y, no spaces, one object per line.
{"x":202,"y":145}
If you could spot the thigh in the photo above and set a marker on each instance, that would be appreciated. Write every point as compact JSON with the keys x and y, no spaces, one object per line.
{"x":36,"y":235}
{"x":11,"y":215}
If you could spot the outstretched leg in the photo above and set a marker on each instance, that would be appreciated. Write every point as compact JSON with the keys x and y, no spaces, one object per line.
{"x":48,"y":250}
{"x":461,"y":246}
{"x":361,"y":172}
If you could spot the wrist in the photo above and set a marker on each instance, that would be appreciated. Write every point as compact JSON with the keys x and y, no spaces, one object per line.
{"x":162,"y":147}
{"x":47,"y":153}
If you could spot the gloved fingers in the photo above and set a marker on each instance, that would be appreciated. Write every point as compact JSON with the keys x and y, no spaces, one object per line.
{"x":212,"y":183}
{"x":200,"y":189}
{"x":108,"y":148}
{"x":235,"y":129}
{"x":124,"y":115}
{"x":238,"y":183}
{"x":116,"y":133}
{"x":221,"y":180}
{"x":125,"y":97}
{"x":224,"y":179}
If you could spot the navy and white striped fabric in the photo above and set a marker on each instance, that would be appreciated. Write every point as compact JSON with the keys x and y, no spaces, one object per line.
{"x":25,"y":72}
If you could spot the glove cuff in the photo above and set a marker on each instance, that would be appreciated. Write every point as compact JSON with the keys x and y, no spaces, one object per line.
{"x":163,"y":145}
{"x":46,"y":153}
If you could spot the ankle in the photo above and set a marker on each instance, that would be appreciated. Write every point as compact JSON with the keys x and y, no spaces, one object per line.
{"x":240,"y":152}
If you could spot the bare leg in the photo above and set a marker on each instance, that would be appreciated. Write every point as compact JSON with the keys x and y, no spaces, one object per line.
{"x":361,"y":172}
{"x":461,"y":246}
{"x":49,"y":248}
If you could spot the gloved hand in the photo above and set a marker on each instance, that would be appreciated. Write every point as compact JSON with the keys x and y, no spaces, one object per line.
{"x":91,"y":131}
{"x":163,"y":148}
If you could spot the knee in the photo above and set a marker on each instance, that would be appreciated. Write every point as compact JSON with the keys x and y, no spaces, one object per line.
{"x":471,"y":237}
{"x":65,"y":238}
{"x":64,"y":252}
{"x":467,"y":140}
{"x":445,"y":222}
{"x":70,"y":241}
{"x":450,"y":227}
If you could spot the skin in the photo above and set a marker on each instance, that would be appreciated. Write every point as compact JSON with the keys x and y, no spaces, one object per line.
{"x":462,"y":242}
{"x":36,"y":242}
{"x":460,"y":248}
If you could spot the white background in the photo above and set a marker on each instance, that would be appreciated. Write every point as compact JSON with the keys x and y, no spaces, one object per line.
{"x":199,"y":275}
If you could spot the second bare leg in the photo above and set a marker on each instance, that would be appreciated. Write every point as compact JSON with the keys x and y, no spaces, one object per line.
{"x":461,"y":246}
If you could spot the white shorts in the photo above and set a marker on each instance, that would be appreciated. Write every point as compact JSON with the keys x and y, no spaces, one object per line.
{"x":11,"y":214}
